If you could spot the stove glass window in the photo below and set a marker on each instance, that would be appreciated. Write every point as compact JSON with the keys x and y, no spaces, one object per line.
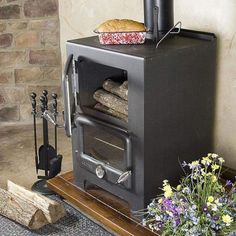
{"x":104,"y":146}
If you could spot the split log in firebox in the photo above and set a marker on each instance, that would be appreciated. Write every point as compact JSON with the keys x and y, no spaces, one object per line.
{"x":110,"y":111}
{"x":116,"y":88}
{"x":113,"y":99}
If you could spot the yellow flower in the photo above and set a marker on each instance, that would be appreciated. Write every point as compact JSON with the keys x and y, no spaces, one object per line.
{"x":217,"y":202}
{"x":165,"y":182}
{"x":214,"y":155}
{"x":213,"y":178}
{"x":178,"y":188}
{"x":160,"y":200}
{"x":167,"y":188}
{"x":210,"y":199}
{"x":206,"y":161}
{"x":227,"y":220}
{"x":214,"y":207}
{"x":167,"y":191}
{"x":170,"y":213}
{"x":195,"y":162}
{"x":168,"y":194}
{"x":221,"y":160}
{"x":215,"y":167}
{"x":203,"y":172}
{"x":151,"y":227}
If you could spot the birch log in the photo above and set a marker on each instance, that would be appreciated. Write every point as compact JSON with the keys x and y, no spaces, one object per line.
{"x":52,"y":210}
{"x":110,"y":111}
{"x":112,"y":101}
{"x":116,"y":88}
{"x":21,"y":211}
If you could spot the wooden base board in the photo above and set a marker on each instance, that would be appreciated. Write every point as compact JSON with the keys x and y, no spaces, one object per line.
{"x":99,"y":205}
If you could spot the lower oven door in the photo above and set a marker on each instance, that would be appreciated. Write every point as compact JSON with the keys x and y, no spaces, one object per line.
{"x":105,"y":150}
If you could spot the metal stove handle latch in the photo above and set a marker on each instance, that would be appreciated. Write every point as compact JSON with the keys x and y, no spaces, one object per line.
{"x":170,"y":32}
{"x":123,"y":177}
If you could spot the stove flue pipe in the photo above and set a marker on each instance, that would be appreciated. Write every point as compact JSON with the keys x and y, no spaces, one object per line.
{"x":158,"y":17}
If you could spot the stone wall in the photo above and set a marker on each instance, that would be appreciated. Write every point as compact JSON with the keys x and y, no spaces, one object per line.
{"x":29,"y":54}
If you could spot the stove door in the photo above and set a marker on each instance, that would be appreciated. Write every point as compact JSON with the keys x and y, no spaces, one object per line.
{"x":105,"y":150}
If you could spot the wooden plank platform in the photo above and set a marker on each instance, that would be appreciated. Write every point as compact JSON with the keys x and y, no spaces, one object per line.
{"x":101,"y":206}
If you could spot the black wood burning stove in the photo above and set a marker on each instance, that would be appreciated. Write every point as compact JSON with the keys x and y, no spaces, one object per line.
{"x":170,"y":110}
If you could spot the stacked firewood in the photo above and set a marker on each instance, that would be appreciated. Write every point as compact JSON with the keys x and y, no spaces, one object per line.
{"x":113,"y":99}
{"x":29,"y":208}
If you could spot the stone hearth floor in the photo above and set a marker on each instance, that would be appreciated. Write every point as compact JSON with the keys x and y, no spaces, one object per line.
{"x":17,"y":153}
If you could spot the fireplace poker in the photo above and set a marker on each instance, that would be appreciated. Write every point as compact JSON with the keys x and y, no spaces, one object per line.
{"x":34,"y":113}
{"x":45,"y":133}
{"x":54,"y":105}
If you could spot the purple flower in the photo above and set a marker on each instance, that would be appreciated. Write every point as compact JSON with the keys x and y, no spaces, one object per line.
{"x":194,"y":165}
{"x":159,"y":225}
{"x":178,"y":210}
{"x":167,"y":203}
{"x":177,"y":221}
{"x":221,"y":200}
{"x":205,"y":209}
{"x":215,"y":218}
{"x":228,"y":183}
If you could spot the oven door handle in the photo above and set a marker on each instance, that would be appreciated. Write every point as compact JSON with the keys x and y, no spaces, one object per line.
{"x":91,"y":121}
{"x":66,"y":95}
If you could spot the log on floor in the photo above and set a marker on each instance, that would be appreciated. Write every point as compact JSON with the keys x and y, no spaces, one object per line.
{"x":117,"y":88}
{"x":112,"y":101}
{"x":110,"y":111}
{"x":52,"y":210}
{"x":21,"y":211}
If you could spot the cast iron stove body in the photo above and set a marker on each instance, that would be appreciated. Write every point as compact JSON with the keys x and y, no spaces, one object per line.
{"x":170,"y":117}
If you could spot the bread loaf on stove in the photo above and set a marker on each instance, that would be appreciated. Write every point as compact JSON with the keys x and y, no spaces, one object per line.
{"x":122,"y":25}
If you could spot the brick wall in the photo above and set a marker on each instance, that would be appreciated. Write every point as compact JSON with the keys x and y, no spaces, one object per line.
{"x":29,"y":54}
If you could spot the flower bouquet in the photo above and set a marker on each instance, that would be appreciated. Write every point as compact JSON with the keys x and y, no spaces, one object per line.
{"x":200,"y":205}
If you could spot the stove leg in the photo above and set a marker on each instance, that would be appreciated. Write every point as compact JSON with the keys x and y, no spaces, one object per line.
{"x":80,"y":182}
{"x":136,"y":204}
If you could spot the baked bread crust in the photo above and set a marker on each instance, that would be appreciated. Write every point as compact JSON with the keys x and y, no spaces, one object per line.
{"x":122,"y":25}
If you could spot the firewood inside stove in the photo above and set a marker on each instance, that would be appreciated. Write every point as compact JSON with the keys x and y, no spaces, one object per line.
{"x":110,"y":111}
{"x":113,"y":99}
{"x":119,"y":89}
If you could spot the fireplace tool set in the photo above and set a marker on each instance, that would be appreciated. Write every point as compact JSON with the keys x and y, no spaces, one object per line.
{"x":46,"y":157}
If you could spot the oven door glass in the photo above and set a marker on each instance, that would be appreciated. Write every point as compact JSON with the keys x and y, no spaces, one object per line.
{"x":104,"y":146}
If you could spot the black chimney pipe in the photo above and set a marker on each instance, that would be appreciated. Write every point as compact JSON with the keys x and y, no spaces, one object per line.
{"x":158,"y":17}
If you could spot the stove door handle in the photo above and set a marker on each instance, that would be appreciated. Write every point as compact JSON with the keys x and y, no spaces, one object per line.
{"x":123,"y":177}
{"x":66,"y":94}
{"x":91,"y":121}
